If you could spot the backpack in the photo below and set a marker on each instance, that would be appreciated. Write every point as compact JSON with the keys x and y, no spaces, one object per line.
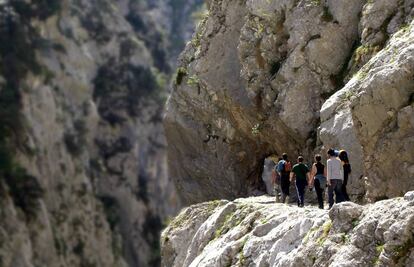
{"x":287,"y":166}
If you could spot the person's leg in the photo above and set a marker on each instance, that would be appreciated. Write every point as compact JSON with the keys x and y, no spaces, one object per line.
{"x":288,"y":190}
{"x":300,"y":187}
{"x":284,"y":184}
{"x":338,"y":191}
{"x":297,"y":193}
{"x":331,"y":193}
{"x":319,"y":193}
{"x":276,"y":192}
{"x":303,"y":192}
{"x":345,"y":193}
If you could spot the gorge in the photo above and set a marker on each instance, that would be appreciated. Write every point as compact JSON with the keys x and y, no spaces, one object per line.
{"x":95,"y":161}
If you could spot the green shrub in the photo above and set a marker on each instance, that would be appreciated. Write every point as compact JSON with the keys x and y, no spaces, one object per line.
{"x":179,"y":76}
{"x":18,"y":44}
{"x":274,"y":68}
{"x":401,"y":252}
{"x":123,"y":87}
{"x":327,"y":15}
{"x":111,"y":208}
{"x":75,"y":140}
{"x":79,"y":248}
{"x":153,"y":39}
{"x":95,"y":25}
{"x":193,"y":80}
{"x":151,"y":230}
{"x":24,"y":189}
{"x":41,"y":9}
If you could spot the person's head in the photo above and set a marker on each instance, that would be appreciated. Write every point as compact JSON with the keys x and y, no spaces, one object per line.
{"x":331,"y":152}
{"x":318,"y":158}
{"x":284,"y":156}
{"x":300,"y":159}
{"x":343,"y":156}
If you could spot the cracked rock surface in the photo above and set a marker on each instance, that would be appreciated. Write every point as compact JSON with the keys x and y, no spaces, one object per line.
{"x":257,"y":232}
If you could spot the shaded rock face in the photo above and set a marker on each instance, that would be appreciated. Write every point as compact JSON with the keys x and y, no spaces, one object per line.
{"x":257,"y":232}
{"x":257,"y":78}
{"x":83,"y":172}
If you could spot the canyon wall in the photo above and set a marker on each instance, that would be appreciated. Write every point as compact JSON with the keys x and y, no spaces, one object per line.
{"x":82,"y":150}
{"x":298,"y":76}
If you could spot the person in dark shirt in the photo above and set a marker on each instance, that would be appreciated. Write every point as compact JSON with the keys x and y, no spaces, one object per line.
{"x":318,"y":179}
{"x":284,"y":168}
{"x":343,"y":156}
{"x":301,"y":172}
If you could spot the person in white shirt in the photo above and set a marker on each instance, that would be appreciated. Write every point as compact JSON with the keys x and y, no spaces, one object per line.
{"x":334,"y":177}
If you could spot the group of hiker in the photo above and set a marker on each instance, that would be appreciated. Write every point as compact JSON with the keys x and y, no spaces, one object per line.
{"x":334,"y":176}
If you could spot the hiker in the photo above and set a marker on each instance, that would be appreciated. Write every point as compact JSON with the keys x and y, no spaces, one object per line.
{"x":284,"y":167}
{"x":343,"y":156}
{"x":318,"y":179}
{"x":301,"y":172}
{"x":276,"y":181}
{"x":334,"y":178}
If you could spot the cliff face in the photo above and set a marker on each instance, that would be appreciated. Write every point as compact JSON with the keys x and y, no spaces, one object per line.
{"x":258,"y":232}
{"x":266,"y":77}
{"x":83,"y":175}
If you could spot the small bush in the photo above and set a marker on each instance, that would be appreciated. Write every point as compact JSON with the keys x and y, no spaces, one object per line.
{"x":142,"y":192}
{"x":327,"y":15}
{"x":24,"y":189}
{"x":73,"y":144}
{"x":79,"y":248}
{"x":274,"y":68}
{"x":41,"y":9}
{"x":111,"y":208}
{"x":152,"y":38}
{"x":401,"y":252}
{"x":179,"y":76}
{"x":151,"y":233}
{"x":193,"y":80}
{"x":123,"y":87}
{"x":256,"y":129}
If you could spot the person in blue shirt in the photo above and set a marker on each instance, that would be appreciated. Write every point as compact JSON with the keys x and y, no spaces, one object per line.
{"x":284,"y":167}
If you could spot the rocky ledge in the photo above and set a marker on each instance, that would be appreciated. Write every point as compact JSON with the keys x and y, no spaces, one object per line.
{"x":257,"y":232}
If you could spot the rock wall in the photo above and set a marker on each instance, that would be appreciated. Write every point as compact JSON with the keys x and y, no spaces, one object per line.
{"x":257,"y":232}
{"x":83,"y":173}
{"x":264,"y":77}
{"x":373,"y":117}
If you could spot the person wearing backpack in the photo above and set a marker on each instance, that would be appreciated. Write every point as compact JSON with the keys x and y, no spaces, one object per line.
{"x":276,"y":181}
{"x":318,"y":179}
{"x":284,"y":168}
{"x":343,"y":156}
{"x":301,"y":172}
{"x":335,"y":176}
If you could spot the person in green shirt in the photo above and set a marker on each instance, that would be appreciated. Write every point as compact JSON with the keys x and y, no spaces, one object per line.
{"x":301,"y":172}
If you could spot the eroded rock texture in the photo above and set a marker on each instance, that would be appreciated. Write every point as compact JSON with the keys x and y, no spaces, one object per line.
{"x":254,"y":79}
{"x":257,"y":232}
{"x":83,"y":177}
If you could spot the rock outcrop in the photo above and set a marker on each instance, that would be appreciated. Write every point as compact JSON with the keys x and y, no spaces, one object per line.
{"x":264,"y":77}
{"x":373,"y":117}
{"x":83,"y":174}
{"x":257,"y":232}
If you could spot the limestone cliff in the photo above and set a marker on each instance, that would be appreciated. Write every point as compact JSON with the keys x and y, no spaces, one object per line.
{"x":262,"y":77}
{"x":83,"y":175}
{"x":257,"y":232}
